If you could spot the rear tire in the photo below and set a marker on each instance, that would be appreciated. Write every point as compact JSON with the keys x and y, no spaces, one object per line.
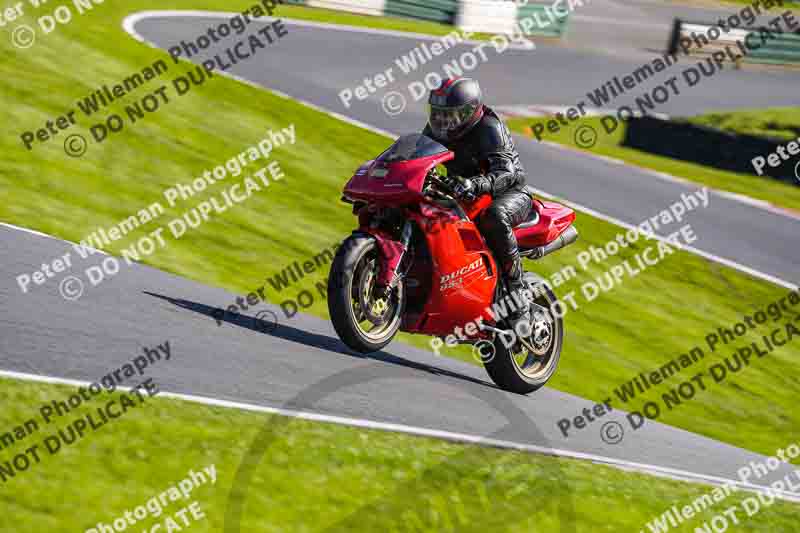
{"x":350,"y":278}
{"x":501,"y":364}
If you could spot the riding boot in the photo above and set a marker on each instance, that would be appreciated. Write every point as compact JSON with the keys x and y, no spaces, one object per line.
{"x":512,"y":272}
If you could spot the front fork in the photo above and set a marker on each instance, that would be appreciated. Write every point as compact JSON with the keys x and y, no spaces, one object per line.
{"x":390,"y":274}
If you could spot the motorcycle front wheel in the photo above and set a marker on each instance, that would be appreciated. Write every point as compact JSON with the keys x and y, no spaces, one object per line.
{"x":365,"y":318}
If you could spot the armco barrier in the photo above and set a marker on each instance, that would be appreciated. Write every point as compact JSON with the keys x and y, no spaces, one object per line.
{"x":705,"y":146}
{"x":486,"y":16}
{"x":783,"y":49}
{"x":443,"y":11}
{"x":543,"y":26}
{"x":364,"y":7}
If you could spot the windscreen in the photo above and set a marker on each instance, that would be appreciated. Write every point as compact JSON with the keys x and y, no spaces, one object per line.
{"x":412,"y":146}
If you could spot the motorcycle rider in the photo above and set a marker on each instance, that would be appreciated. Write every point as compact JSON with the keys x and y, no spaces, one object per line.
{"x":485,"y":155}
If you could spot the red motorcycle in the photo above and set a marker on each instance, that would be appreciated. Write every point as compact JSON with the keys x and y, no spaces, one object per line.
{"x":418,"y":263}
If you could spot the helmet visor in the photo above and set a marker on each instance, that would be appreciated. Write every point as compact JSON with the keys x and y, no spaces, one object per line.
{"x":447,"y":121}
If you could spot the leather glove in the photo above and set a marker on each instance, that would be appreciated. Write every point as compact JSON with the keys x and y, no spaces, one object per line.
{"x":482,"y":185}
{"x":477,"y":186}
{"x":465,"y":190}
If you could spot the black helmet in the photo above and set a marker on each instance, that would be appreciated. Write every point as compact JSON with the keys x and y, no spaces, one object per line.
{"x":454,"y":108}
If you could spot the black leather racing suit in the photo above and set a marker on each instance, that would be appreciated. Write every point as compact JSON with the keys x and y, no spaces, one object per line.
{"x":488,"y":150}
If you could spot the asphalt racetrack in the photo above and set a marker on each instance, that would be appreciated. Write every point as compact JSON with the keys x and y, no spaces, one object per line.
{"x":315,"y":63}
{"x":300,"y":364}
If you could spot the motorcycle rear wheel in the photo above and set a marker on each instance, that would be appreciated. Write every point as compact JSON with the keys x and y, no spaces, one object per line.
{"x":519,"y":369}
{"x":364,"y":318}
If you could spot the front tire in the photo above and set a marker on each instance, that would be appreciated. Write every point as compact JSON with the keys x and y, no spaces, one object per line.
{"x":364,"y":319}
{"x":517,"y":368}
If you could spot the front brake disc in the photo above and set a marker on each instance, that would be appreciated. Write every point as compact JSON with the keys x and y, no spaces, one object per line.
{"x":375,"y":309}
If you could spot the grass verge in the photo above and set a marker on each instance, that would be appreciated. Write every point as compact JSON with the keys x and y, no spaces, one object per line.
{"x":313,"y":477}
{"x":637,"y":327}
{"x":777,"y":122}
{"x":780,"y":123}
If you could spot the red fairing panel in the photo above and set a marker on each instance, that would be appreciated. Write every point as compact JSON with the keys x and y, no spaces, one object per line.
{"x":477,"y":207}
{"x":464,"y":274}
{"x":553,"y":220}
{"x":394,"y":184}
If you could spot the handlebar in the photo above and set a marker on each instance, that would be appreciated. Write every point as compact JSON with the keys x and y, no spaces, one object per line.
{"x":444,"y":199}
{"x":437,"y":180}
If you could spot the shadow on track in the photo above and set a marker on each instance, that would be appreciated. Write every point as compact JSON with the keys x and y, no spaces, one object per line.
{"x":315,"y":340}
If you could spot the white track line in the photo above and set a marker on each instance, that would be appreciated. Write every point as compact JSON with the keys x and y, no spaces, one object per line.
{"x":130,"y":21}
{"x":324,"y":26}
{"x":40,"y":234}
{"x":31,"y":231}
{"x":741,"y":198}
{"x":463,"y":438}
{"x":672,"y":473}
{"x":520,"y":111}
{"x":711,"y":257}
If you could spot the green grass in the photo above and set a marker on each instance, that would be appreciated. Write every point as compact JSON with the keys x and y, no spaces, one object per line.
{"x":305,"y":477}
{"x":634,"y":328}
{"x":779,"y":123}
{"x":319,"y":475}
